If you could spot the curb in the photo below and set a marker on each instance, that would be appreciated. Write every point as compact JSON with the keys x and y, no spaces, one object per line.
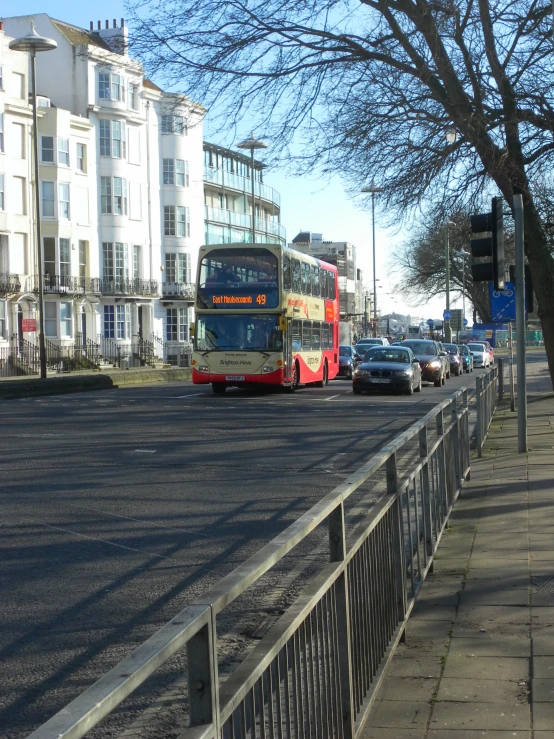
{"x":16,"y":389}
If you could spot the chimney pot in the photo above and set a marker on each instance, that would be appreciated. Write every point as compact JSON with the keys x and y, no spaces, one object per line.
{"x":99,"y":25}
{"x":92,"y":25}
{"x":107,"y":24}
{"x":123,"y":23}
{"x":114,"y":23}
{"x":1,"y":26}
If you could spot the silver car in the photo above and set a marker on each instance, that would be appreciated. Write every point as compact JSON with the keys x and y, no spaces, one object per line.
{"x":480,"y":353}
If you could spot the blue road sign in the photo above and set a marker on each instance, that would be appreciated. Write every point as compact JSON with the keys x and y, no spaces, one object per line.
{"x":503,"y":303}
{"x":465,"y":321}
{"x":422,"y":325}
{"x":447,"y":315}
{"x":430,"y":322}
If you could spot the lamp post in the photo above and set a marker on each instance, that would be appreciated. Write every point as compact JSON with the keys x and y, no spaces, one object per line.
{"x":447,"y":331}
{"x":252,"y":143}
{"x":373,"y":189}
{"x":33,"y":43}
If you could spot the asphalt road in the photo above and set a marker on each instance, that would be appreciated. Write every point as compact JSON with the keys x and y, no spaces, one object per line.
{"x":119,"y":507}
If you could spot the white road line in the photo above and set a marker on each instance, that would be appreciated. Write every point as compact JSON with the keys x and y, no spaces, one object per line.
{"x":331,"y":397}
{"x":178,"y":397}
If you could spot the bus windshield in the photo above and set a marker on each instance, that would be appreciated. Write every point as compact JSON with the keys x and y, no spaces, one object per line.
{"x":238,"y":278}
{"x":238,"y":333}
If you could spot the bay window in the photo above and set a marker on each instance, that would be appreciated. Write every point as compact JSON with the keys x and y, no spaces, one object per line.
{"x":176,"y":324}
{"x":113,"y":140}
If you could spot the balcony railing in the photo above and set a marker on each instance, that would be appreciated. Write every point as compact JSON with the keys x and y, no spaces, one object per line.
{"x":243,"y":220}
{"x":65,"y":284}
{"x":244,"y":184}
{"x":9,"y":283}
{"x":122,"y":286}
{"x":182,"y":290}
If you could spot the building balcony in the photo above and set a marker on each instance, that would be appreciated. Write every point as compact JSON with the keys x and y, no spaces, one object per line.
{"x":243,"y":220}
{"x":67,"y":285}
{"x":9,"y":283}
{"x":125,"y":286}
{"x":232,"y":181}
{"x":178,"y":291}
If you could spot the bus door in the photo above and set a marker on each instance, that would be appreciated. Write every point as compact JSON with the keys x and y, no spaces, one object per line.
{"x":289,"y":354}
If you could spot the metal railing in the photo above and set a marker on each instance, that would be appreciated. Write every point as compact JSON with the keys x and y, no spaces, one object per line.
{"x":126,"y":354}
{"x":485,"y":401}
{"x":9,"y":283}
{"x":233,"y":181}
{"x":67,"y":285}
{"x":123,"y":286}
{"x":316,"y":672}
{"x":19,"y":360}
{"x":71,"y":357}
{"x":182,"y":290}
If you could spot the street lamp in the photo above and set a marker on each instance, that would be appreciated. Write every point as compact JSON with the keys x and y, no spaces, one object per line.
{"x":447,"y":331}
{"x":33,"y":43}
{"x":252,"y":143}
{"x":373,"y":189}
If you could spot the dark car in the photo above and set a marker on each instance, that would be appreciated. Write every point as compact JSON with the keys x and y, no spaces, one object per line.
{"x":456,"y":365}
{"x":467,"y":357}
{"x":349,"y":359}
{"x":427,"y":352}
{"x":388,"y":368}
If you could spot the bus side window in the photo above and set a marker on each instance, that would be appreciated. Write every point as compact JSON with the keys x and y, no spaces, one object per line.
{"x":315,"y":281}
{"x":323,"y":285}
{"x":286,"y":273}
{"x":316,"y":335}
{"x":325,"y":336}
{"x":306,"y":279}
{"x":306,"y":335}
{"x":331,"y":289}
{"x":296,"y":276}
{"x":296,"y":328}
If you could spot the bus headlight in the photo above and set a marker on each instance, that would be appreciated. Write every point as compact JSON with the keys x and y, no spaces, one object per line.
{"x":203,"y":368}
{"x":267,"y":369}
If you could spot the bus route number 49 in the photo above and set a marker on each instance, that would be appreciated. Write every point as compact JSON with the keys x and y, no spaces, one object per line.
{"x":261,"y":299}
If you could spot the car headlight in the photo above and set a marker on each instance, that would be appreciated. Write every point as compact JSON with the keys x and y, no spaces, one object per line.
{"x":361,"y":373}
{"x":435,"y":364}
{"x":403,"y":373}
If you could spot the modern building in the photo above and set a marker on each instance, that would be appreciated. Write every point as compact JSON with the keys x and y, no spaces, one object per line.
{"x":228,"y":199}
{"x":122,"y":195}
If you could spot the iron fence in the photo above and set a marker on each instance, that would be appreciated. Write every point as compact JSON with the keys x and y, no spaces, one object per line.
{"x":126,"y":354}
{"x":485,"y":401}
{"x":316,"y":672}
{"x":22,"y":359}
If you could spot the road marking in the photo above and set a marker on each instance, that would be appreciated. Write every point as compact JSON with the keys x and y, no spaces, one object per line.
{"x":331,"y":397}
{"x":178,"y":397}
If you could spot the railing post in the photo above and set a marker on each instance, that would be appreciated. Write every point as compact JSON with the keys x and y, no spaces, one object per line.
{"x":426,"y":488}
{"x":466,"y":442}
{"x":202,"y":678}
{"x":500,"y":379}
{"x":456,"y":443}
{"x":441,"y":453}
{"x":479,"y":409}
{"x":337,"y":553}
{"x":399,"y":543}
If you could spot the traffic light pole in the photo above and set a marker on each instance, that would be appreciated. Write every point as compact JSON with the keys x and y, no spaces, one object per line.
{"x":520,"y":326}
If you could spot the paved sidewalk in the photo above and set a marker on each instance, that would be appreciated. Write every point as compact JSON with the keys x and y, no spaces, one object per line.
{"x":479,"y":654}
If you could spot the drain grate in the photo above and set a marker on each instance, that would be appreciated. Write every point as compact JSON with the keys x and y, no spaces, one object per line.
{"x":541,"y":448}
{"x":543,"y":583}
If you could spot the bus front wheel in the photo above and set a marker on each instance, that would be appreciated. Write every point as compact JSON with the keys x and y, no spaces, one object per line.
{"x":325,"y":380}
{"x":219,"y":387}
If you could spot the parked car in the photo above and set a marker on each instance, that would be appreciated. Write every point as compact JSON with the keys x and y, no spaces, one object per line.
{"x":349,"y":359}
{"x":362,"y":345}
{"x":481,"y":356}
{"x":388,"y":368}
{"x":433,"y":365}
{"x":444,"y":354}
{"x":456,"y":363}
{"x":467,"y":357}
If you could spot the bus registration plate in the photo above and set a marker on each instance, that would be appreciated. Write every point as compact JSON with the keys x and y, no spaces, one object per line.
{"x":234,"y":378}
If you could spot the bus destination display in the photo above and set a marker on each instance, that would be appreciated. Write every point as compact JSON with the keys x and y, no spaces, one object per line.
{"x":255,"y":298}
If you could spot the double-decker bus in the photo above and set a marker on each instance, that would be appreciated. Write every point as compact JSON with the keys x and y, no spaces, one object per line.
{"x":265,"y":315}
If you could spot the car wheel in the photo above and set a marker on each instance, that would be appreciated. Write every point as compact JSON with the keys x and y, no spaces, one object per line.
{"x":443,"y":380}
{"x":410,"y":390}
{"x":447,"y":376}
{"x":325,"y":380}
{"x":219,"y":387}
{"x":419,"y":386}
{"x":438,"y":383}
{"x":356,"y":390}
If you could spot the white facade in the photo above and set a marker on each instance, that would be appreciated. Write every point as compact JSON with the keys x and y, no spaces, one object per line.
{"x":135,"y":215}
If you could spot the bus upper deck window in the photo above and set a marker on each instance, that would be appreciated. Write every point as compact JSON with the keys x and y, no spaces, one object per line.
{"x":315,"y":281}
{"x":306,"y":279}
{"x":286,"y":272}
{"x":296,"y":276}
{"x":331,"y":286}
{"x":323,"y":283}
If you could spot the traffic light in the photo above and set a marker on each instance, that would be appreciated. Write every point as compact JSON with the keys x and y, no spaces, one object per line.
{"x":529,"y":305}
{"x":490,"y":246}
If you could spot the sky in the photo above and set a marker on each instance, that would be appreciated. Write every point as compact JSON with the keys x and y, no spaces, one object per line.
{"x":307,"y":204}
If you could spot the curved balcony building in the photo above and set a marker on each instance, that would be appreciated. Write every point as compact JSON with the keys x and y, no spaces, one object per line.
{"x":228,"y":199}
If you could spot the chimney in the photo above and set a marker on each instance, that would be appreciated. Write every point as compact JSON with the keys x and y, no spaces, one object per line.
{"x":99,"y":25}
{"x":116,"y":38}
{"x":1,"y":26}
{"x":123,"y":23}
{"x":107,"y":24}
{"x":92,"y":25}
{"x":114,"y":23}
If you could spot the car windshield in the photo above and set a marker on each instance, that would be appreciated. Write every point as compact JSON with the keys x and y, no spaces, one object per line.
{"x":245,"y":333}
{"x":421,"y":347}
{"x":477,"y":347}
{"x":451,"y":348}
{"x":464,"y":350}
{"x":346,"y":351}
{"x":387,"y":354}
{"x":369,"y":342}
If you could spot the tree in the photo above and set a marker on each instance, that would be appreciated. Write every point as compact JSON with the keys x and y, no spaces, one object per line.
{"x":420,"y":261}
{"x":369,"y":88}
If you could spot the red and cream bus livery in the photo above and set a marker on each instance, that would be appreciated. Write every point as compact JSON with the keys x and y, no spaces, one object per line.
{"x":265,"y":314}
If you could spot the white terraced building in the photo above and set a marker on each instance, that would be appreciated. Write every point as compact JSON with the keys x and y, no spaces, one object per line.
{"x":122,"y":201}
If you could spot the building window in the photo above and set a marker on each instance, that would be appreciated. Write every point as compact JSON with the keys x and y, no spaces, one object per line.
{"x":175,"y":172}
{"x":169,"y":220}
{"x":47,"y":149}
{"x":169,"y":171}
{"x":47,"y":189}
{"x":2,"y":191}
{"x":183,"y":221}
{"x":81,"y":158}
{"x":123,"y":321}
{"x":50,"y":319}
{"x":65,"y":258}
{"x":1,"y":77}
{"x":133,"y":96}
{"x":118,"y":87}
{"x":177,"y":268}
{"x":113,"y":141}
{"x":174,"y":124}
{"x":104,"y":85}
{"x":2,"y":316}
{"x":114,"y":261}
{"x":63,"y":200}
{"x":136,"y":262}
{"x":113,"y":195}
{"x":49,"y":256}
{"x":109,"y":322}
{"x":66,"y":321}
{"x":1,"y":132}
{"x":176,"y":324}
{"x":63,"y":152}
{"x":83,"y":258}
